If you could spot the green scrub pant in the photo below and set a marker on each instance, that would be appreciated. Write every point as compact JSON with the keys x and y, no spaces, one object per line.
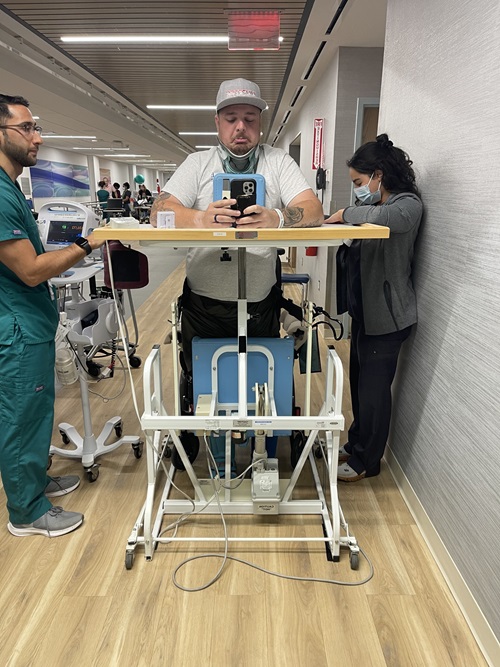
{"x":26,"y":417}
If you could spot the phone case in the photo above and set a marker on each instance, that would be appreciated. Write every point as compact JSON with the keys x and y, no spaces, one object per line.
{"x":227,"y":184}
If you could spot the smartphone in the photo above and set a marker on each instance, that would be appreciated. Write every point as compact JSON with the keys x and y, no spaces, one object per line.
{"x":244,"y":190}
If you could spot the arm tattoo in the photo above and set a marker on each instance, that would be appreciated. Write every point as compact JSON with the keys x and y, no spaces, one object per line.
{"x":293,"y":215}
{"x":157,"y":204}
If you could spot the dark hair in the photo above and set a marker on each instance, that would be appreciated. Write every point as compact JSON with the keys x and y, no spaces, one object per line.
{"x":9,"y":100}
{"x":101,"y":184}
{"x":126,"y":185}
{"x":116,"y":186}
{"x":394,"y":163}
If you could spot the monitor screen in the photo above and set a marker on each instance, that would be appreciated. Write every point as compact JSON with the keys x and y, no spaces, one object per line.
{"x":114,"y":205}
{"x":64,"y":232}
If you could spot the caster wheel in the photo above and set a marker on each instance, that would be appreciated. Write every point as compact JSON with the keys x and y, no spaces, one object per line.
{"x":354,"y":560}
{"x":138,"y":450}
{"x":165,"y":447}
{"x":296,"y":446}
{"x":119,"y":430}
{"x":49,"y":462}
{"x":318,"y":452}
{"x":129,"y":560}
{"x":135,"y":362}
{"x":64,"y":438}
{"x":191,"y":444}
{"x":92,"y":473}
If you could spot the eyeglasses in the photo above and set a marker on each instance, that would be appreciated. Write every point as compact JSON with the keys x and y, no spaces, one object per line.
{"x":24,"y":128}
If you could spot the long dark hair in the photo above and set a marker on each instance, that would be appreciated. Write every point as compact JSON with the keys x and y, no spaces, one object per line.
{"x":394,"y":163}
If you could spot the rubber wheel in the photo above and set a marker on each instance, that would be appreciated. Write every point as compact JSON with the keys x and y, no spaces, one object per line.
{"x":191,"y":444}
{"x":138,"y":450}
{"x":297,"y":442}
{"x":129,"y":560}
{"x":354,"y":560}
{"x":64,"y":438}
{"x":92,"y":473}
{"x":119,"y":430}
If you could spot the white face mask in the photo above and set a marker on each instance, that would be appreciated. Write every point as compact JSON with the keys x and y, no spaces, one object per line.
{"x":365,"y":196}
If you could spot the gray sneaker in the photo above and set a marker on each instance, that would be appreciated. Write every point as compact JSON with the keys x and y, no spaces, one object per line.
{"x":53,"y":523}
{"x":60,"y":486}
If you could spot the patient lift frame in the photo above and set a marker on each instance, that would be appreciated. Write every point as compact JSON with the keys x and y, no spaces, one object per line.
{"x":147,"y":530}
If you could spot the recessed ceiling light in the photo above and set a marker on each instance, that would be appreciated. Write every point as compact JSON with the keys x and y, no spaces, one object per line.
{"x":125,"y":155}
{"x":92,"y":148}
{"x":186,"y":107}
{"x":145,"y":39}
{"x":67,"y":136}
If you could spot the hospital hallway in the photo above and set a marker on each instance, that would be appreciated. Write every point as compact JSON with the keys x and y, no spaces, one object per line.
{"x":70,"y":601}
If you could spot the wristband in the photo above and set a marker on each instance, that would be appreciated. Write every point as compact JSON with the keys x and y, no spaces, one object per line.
{"x":281,"y":217}
{"x":82,"y":243}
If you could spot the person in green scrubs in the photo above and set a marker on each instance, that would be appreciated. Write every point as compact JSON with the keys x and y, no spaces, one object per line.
{"x":28,"y":323}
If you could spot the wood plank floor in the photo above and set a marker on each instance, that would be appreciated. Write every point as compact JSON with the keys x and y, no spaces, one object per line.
{"x":70,"y":601}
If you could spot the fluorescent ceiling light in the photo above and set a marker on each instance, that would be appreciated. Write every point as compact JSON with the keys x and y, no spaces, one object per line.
{"x":145,"y":39}
{"x":207,"y":134}
{"x":90,"y":148}
{"x":67,"y":136}
{"x":125,"y":155}
{"x":189,"y":107}
{"x":205,"y":146}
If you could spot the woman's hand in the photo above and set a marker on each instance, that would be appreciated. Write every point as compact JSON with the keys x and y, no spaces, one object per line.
{"x":335,"y":218}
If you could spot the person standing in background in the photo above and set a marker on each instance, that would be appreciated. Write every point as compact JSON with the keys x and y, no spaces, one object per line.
{"x":116,"y":194}
{"x":102,"y":197}
{"x":127,"y":198}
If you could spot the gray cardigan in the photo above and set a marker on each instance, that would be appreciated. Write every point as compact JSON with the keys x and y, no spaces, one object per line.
{"x":389,"y":302}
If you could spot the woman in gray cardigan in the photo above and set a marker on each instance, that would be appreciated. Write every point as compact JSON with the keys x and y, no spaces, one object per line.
{"x":374,"y":284}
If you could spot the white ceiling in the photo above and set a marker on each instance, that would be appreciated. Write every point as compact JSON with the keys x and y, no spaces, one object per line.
{"x":103,"y":90}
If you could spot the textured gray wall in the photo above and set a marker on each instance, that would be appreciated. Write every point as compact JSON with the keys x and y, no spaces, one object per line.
{"x":441,"y":102}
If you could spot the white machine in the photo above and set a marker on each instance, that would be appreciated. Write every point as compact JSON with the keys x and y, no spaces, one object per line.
{"x":60,"y":223}
{"x":88,"y":326}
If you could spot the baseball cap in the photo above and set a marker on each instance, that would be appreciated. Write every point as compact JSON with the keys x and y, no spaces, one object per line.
{"x":239,"y":91}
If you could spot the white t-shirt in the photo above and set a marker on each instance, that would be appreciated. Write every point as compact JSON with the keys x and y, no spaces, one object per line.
{"x":192,"y":185}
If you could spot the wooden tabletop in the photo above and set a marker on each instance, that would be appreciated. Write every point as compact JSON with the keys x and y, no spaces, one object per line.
{"x":296,"y":236}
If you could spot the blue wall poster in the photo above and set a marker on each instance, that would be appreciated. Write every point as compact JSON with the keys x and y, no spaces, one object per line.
{"x":59,"y":179}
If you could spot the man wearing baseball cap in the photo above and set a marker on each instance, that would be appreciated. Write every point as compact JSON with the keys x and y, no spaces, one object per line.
{"x":209,"y":299}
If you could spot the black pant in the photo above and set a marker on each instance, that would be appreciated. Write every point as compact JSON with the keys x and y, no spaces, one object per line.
{"x":210,"y":318}
{"x":373,"y":361}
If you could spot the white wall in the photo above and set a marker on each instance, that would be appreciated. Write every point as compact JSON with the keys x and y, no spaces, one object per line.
{"x":440,"y":97}
{"x":352,"y":73}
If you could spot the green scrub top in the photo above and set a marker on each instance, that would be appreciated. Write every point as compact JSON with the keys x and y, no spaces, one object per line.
{"x":32,"y":309}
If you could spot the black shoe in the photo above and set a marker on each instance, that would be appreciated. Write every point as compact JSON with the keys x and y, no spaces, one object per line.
{"x":191,"y":444}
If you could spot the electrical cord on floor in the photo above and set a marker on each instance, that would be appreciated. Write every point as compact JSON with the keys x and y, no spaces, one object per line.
{"x":226,"y":557}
